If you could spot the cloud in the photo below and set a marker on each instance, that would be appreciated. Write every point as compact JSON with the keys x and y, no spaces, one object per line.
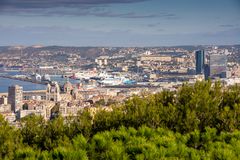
{"x":132,"y":15}
{"x":97,"y":8}
{"x":228,"y":25}
{"x":161,"y":30}
{"x":43,"y":4}
{"x":153,"y":24}
{"x":58,"y":29}
{"x":97,"y":13}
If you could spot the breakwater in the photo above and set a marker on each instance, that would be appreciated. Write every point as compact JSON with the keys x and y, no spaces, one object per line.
{"x":24,"y":79}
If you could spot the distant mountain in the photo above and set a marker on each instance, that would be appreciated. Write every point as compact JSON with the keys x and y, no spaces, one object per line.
{"x":191,"y":48}
{"x":91,"y":52}
{"x":86,"y":52}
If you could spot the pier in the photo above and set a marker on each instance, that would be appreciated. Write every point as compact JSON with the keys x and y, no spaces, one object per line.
{"x":24,"y":79}
{"x":131,"y":86}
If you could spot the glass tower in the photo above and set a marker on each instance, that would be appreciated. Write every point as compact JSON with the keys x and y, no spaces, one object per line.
{"x":200,"y":61}
{"x":218,"y":65}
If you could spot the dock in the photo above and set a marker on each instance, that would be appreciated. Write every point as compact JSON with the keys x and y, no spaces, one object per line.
{"x":131,"y":86}
{"x":24,"y":79}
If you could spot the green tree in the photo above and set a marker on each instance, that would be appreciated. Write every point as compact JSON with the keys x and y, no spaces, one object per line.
{"x":10,"y":140}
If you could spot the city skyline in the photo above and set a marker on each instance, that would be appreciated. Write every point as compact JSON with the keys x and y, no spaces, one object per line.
{"x":119,"y":22}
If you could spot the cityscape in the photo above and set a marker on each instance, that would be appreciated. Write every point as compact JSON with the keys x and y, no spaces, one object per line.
{"x":119,"y":79}
{"x":75,"y":81}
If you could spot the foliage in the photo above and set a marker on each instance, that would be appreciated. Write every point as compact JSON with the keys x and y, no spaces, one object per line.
{"x":200,"y":121}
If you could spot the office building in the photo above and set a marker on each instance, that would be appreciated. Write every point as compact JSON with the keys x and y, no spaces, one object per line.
{"x":15,"y":97}
{"x":200,"y":61}
{"x":218,"y":65}
{"x":206,"y":71}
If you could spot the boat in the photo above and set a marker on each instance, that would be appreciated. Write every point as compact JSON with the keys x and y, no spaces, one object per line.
{"x":36,"y":77}
{"x":86,"y":75}
{"x":111,"y":81}
{"x":46,"y":77}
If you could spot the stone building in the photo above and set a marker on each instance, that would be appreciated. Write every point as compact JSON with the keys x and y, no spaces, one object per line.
{"x":53,"y":92}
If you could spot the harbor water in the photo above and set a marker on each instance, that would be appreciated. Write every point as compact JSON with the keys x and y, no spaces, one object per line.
{"x":27,"y":86}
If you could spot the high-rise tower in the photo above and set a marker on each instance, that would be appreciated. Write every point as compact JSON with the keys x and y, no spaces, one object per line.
{"x":218,"y":65}
{"x":200,"y":61}
{"x":15,"y":97}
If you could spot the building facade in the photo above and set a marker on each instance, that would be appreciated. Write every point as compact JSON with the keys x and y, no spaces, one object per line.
{"x":218,"y":65}
{"x":15,"y":97}
{"x":53,"y":92}
{"x":200,"y":61}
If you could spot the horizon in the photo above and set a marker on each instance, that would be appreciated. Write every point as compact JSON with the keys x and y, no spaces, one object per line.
{"x":119,"y":23}
{"x":185,"y":45}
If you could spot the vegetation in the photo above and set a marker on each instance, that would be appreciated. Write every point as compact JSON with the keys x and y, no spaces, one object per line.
{"x":196,"y":122}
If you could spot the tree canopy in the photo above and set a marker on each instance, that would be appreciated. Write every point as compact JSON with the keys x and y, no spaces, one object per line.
{"x":200,"y":121}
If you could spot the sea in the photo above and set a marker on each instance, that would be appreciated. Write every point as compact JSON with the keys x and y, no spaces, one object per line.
{"x":27,"y":86}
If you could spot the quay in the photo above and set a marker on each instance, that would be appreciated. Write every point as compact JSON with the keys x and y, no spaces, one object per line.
{"x":24,"y":79}
{"x":131,"y":86}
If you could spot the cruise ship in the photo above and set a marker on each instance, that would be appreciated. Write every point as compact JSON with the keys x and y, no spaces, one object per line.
{"x":112,"y":81}
{"x":46,"y":77}
{"x":86,"y":75}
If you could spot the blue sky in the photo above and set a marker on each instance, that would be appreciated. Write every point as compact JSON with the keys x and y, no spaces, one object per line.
{"x":119,"y":22}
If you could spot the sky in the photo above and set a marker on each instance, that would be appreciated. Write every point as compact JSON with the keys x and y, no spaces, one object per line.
{"x":130,"y":23}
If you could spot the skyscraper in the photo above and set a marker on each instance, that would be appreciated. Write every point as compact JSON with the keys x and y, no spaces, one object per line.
{"x":200,"y":61}
{"x":218,"y":65}
{"x":206,"y":71}
{"x":15,"y":96}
